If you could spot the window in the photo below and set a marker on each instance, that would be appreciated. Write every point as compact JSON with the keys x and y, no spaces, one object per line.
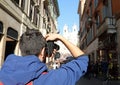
{"x":31,"y":9}
{"x":38,"y":2}
{"x":95,"y":3}
{"x":90,"y":9}
{"x":105,"y":12}
{"x":98,"y":20}
{"x":22,"y":4}
{"x":105,"y":2}
{"x":16,"y":1}
{"x":12,"y":33}
{"x":1,"y":27}
{"x":36,"y":16}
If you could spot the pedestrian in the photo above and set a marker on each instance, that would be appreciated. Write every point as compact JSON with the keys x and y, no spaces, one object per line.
{"x":30,"y":68}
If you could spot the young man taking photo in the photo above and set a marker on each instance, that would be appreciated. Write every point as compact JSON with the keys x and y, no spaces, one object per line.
{"x":29,"y":68}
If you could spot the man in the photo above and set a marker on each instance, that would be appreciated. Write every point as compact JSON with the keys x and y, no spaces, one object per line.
{"x":20,"y":70}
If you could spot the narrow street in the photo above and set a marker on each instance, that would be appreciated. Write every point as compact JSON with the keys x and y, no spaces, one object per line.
{"x":94,"y":81}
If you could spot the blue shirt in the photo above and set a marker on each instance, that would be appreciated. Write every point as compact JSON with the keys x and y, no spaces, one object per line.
{"x":18,"y":70}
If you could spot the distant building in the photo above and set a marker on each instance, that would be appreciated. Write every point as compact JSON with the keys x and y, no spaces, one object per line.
{"x":72,"y":36}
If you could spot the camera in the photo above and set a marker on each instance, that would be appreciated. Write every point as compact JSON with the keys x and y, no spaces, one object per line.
{"x":49,"y":48}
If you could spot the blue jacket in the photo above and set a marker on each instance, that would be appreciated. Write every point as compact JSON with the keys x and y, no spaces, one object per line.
{"x":20,"y":70}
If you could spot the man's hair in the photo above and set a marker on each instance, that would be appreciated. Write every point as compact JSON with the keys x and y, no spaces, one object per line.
{"x":32,"y":42}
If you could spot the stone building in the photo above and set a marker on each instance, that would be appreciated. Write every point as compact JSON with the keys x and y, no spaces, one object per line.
{"x":99,"y":30}
{"x":18,"y":15}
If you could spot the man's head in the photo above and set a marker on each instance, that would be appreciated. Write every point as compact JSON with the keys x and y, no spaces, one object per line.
{"x":32,"y":42}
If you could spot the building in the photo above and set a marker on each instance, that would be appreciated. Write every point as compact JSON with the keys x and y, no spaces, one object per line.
{"x":99,"y":30}
{"x":87,"y":35}
{"x":72,"y":36}
{"x":18,"y":15}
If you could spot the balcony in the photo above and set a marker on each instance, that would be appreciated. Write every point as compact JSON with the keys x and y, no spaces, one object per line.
{"x":108,"y":25}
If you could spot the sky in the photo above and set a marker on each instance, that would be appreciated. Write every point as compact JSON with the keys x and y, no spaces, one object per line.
{"x":68,"y":14}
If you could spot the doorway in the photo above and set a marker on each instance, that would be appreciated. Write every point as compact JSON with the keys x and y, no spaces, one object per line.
{"x":11,"y":41}
{"x":10,"y":47}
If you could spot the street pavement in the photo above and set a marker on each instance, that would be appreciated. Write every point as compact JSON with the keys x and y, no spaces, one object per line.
{"x":94,"y":81}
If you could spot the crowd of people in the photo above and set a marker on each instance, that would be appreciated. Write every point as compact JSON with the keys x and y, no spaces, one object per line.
{"x":102,"y":70}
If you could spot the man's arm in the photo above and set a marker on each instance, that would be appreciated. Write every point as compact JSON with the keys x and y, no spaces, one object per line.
{"x":68,"y":73}
{"x":75,"y":51}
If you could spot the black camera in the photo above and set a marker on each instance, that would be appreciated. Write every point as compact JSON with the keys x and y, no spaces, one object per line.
{"x":49,"y":48}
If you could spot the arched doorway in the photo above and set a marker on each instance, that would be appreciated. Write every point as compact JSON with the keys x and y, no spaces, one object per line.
{"x":11,"y":41}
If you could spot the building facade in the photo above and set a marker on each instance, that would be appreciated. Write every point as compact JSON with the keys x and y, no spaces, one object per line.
{"x":87,"y":33}
{"x":99,"y":30}
{"x":71,"y":36}
{"x":18,"y":15}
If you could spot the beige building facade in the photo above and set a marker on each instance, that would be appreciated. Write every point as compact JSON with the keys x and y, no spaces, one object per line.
{"x":18,"y":15}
